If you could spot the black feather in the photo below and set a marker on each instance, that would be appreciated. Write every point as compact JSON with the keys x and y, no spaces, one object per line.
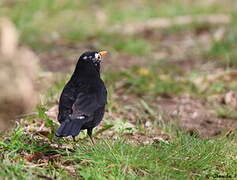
{"x":84,"y":95}
{"x":69,"y":128}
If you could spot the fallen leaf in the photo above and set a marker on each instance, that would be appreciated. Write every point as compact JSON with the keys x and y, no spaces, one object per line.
{"x":35,"y":156}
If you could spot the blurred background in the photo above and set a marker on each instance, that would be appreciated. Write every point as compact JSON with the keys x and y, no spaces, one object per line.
{"x":171,"y":61}
{"x":171,"y":55}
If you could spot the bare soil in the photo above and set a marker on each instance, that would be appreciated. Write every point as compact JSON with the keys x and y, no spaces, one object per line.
{"x":195,"y":116}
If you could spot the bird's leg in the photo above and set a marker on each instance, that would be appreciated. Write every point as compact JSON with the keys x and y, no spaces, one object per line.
{"x":89,"y":132}
{"x":74,"y":139}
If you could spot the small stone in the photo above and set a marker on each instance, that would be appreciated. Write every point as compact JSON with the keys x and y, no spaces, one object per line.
{"x":231,"y":99}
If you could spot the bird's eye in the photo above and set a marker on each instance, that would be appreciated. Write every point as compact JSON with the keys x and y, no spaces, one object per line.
{"x":98,"y":56}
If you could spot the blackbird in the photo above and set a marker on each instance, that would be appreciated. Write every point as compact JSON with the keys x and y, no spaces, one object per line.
{"x":83,"y":99}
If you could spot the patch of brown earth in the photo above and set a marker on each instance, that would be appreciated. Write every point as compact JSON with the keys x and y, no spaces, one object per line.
{"x":194,"y":116}
{"x":57,"y":61}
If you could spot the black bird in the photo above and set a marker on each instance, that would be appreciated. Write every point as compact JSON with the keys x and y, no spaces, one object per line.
{"x":83,"y":99}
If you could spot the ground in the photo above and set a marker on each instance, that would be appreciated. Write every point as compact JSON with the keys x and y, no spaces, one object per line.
{"x":172,"y":90}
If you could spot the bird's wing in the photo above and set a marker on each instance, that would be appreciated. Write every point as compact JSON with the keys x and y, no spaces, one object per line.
{"x":87,"y":103}
{"x":67,"y":99}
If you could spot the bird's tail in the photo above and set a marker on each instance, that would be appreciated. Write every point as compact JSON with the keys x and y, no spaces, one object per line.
{"x":70,"y":127}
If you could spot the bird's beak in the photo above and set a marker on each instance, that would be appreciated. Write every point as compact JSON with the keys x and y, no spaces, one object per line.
{"x":103,"y":53}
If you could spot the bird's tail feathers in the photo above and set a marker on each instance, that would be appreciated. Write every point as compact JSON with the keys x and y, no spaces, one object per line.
{"x":70,"y":127}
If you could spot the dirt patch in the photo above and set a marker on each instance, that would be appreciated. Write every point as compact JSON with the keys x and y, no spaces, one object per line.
{"x":56,"y":62}
{"x":195,"y":116}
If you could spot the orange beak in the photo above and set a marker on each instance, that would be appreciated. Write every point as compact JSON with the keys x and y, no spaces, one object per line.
{"x":103,"y":53}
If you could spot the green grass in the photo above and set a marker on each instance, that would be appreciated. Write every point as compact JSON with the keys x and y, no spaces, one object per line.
{"x":45,"y":25}
{"x":184,"y":157}
{"x":129,"y":45}
{"x":156,"y":79}
{"x":226,"y":112}
{"x":224,"y":50}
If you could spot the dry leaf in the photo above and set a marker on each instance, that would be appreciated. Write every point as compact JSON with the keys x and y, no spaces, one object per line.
{"x":34,"y":156}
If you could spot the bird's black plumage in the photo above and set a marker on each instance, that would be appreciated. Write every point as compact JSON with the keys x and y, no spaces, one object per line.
{"x":83,"y":99}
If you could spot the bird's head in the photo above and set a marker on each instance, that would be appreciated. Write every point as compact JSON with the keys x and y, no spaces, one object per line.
{"x":94,"y":57}
{"x":88,"y":65}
